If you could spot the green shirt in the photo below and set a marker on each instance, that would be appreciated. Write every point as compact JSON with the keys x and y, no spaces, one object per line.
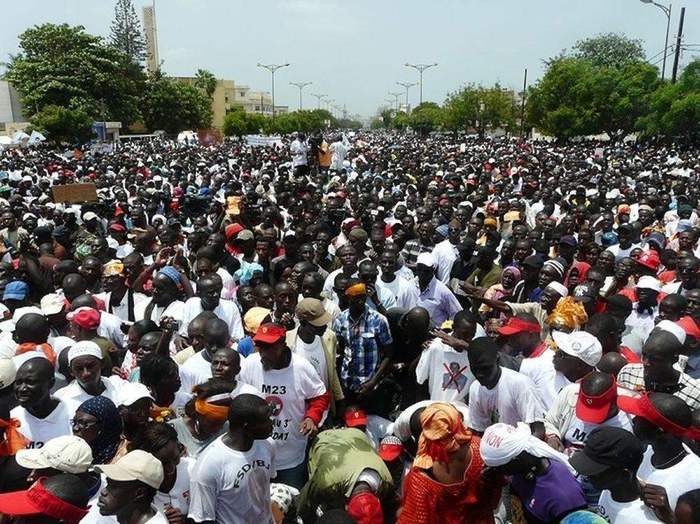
{"x":486,"y":279}
{"x":336,"y":459}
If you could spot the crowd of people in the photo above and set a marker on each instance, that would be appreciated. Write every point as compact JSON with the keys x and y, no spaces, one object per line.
{"x":353,"y":328}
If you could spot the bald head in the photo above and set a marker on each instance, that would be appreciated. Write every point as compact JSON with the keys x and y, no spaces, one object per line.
{"x":596,"y":383}
{"x":42,"y":367}
{"x":32,"y":327}
{"x":673,"y":408}
{"x":612,"y":363}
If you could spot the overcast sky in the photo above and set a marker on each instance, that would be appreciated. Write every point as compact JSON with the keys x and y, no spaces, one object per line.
{"x":354,"y":50}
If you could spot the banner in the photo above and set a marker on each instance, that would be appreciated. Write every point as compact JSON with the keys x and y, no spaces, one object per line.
{"x":74,"y":193}
{"x":261,"y":140}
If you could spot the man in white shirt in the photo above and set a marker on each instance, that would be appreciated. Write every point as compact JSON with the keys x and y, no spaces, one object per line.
{"x":610,"y":459}
{"x":85,"y":362}
{"x":231,"y":480}
{"x":292,"y":385}
{"x":41,"y":416}
{"x":445,"y":253}
{"x":198,"y":368}
{"x":209,"y":299}
{"x":299,"y":149}
{"x":132,"y":483}
{"x":644,"y":312}
{"x":445,"y":364}
{"x":163,"y":301}
{"x":405,"y":292}
{"x":499,"y":394}
{"x":120,"y":300}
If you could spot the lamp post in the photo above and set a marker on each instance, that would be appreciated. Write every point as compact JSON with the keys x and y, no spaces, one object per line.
{"x":420,"y":68}
{"x":319,"y":97}
{"x":407,"y":85}
{"x":272,"y":68}
{"x":667,"y":11}
{"x":396,"y":99}
{"x":300,"y":85}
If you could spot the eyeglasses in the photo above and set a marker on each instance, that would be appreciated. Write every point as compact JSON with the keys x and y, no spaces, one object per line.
{"x":83,"y":424}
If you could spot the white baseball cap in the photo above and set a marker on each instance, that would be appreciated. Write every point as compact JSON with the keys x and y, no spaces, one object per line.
{"x":135,"y":465}
{"x":69,"y":454}
{"x":52,"y":304}
{"x":579,"y":344}
{"x":647,"y":282}
{"x":8,"y":371}
{"x":84,"y":348}
{"x":426,"y":259}
{"x":89,"y":216}
{"x":132,"y":392}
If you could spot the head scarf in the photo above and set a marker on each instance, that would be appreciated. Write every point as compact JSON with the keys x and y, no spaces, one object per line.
{"x":356,"y":290}
{"x":105,"y":445}
{"x":568,"y":312}
{"x":513,"y":271}
{"x":501,"y":443}
{"x":14,"y":440}
{"x":443,"y":432}
{"x":172,"y":273}
{"x":582,"y":268}
{"x":254,"y":317}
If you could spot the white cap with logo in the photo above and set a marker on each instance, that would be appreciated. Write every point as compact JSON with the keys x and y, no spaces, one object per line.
{"x":135,"y":465}
{"x":579,"y":344}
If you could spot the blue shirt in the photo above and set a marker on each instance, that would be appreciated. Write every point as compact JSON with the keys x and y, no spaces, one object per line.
{"x":361,"y":339}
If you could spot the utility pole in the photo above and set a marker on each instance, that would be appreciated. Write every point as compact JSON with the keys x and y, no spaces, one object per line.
{"x":319,"y":97}
{"x":420,"y":68}
{"x":667,"y":12}
{"x":300,"y":85}
{"x":396,"y":99}
{"x":522,"y":105}
{"x":407,"y":85}
{"x":272,"y":68}
{"x":678,"y":46}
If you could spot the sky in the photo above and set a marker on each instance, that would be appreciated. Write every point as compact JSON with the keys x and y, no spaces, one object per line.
{"x":355,"y":50}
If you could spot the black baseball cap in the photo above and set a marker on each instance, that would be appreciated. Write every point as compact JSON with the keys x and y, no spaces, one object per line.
{"x":608,"y":447}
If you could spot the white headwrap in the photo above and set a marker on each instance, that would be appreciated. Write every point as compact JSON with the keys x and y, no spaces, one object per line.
{"x":501,"y":443}
{"x":559,"y":288}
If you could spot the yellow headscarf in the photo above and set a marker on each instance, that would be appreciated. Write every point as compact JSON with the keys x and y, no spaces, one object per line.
{"x":569,"y":313}
{"x":443,"y":432}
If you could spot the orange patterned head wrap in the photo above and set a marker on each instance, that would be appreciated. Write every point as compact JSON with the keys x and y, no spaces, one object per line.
{"x":356,"y":290}
{"x":443,"y":432}
{"x":568,"y":312}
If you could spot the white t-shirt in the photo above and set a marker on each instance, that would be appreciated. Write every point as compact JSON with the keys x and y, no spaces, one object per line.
{"x":179,"y":495}
{"x":541,"y":371}
{"x":315,"y":355}
{"x":405,"y":293}
{"x":635,"y":512}
{"x":73,"y":395}
{"x":232,"y":486}
{"x":446,"y":370}
{"x":678,"y":479}
{"x":578,"y":431}
{"x":40,"y":430}
{"x":226,"y":311}
{"x":514,"y":399}
{"x":197,"y":369}
{"x":287,"y":390}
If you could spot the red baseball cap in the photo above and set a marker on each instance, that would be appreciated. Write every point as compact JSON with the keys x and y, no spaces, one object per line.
{"x":650,"y":259}
{"x":117,"y":227}
{"x":595,"y":409}
{"x":365,"y":508}
{"x":355,"y":417}
{"x":232,"y":230}
{"x":390,"y":448}
{"x":85,"y":317}
{"x":37,"y":500}
{"x":517,"y":325}
{"x":269,"y":333}
{"x":690,"y":327}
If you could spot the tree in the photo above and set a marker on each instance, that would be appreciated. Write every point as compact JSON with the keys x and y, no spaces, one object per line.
{"x":479,"y":108}
{"x":61,"y":124}
{"x":425,"y":118}
{"x":205,"y":81}
{"x":174,"y":106}
{"x":125,"y":33}
{"x":675,"y":108}
{"x":65,"y":66}
{"x":609,"y":50}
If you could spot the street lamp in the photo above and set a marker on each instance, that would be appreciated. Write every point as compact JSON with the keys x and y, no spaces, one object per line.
{"x":319,"y":97}
{"x":272,"y":68}
{"x":420,"y":68}
{"x":407,"y":85}
{"x":396,"y":99}
{"x":667,"y":12}
{"x":300,"y":85}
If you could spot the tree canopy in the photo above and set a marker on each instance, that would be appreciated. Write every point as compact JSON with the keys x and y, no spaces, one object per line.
{"x":205,"y":81}
{"x":609,"y":50}
{"x":126,"y":34}
{"x":174,"y":106}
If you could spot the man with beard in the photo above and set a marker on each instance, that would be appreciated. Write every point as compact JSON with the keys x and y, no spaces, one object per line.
{"x":296,"y":392}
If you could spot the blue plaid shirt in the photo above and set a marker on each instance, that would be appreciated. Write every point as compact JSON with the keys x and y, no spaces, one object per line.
{"x":361,"y":339}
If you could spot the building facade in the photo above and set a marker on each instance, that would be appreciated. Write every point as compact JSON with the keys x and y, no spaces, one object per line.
{"x":12,"y":118}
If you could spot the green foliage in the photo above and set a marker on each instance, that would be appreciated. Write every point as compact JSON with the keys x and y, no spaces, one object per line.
{"x":205,"y":81}
{"x":125,"y":33}
{"x":401,"y":120}
{"x":675,"y":108}
{"x":61,"y":124}
{"x":238,"y":122}
{"x":479,"y":108}
{"x":174,"y":106}
{"x":576,"y":97}
{"x":425,"y":118}
{"x":609,"y":50}
{"x":65,"y":66}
